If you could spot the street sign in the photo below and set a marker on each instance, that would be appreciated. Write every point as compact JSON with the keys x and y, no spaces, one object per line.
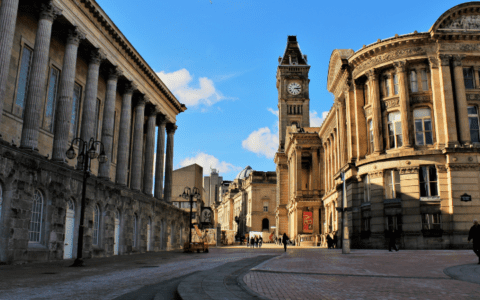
{"x":465,"y":197}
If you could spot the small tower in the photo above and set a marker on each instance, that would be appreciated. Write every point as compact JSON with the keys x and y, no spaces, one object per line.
{"x":292,"y":86}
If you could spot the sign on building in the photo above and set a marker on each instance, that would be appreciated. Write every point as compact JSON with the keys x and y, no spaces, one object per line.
{"x":307,"y":221}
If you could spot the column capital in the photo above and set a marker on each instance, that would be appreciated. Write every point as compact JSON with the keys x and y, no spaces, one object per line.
{"x":141,"y":102}
{"x":457,"y":60}
{"x":75,"y":36}
{"x":151,"y":110}
{"x":48,"y":11}
{"x":372,"y":75}
{"x":433,"y":62}
{"x":400,"y":66}
{"x":444,"y":59}
{"x":161,"y":119}
{"x":171,"y":128}
{"x":114,"y":73}
{"x":97,"y":56}
{"x":130,"y":87}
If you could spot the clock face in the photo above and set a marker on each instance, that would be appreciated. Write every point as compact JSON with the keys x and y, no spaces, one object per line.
{"x":294,"y":88}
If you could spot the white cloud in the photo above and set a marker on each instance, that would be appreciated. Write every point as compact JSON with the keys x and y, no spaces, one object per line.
{"x":180,"y":83}
{"x":263,"y":142}
{"x":315,"y":120}
{"x":208,"y":161}
{"x":275,"y":112}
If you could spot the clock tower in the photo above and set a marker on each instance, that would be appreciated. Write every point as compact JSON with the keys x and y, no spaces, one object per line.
{"x":292,"y":86}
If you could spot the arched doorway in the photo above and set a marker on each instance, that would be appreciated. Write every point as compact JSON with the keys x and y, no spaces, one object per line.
{"x":149,"y":234}
{"x":116,"y":241}
{"x":265,"y":224}
{"x":69,"y":230}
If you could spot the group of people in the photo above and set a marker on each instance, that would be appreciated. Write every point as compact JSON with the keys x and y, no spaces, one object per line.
{"x":332,"y":242}
{"x":255,"y":242}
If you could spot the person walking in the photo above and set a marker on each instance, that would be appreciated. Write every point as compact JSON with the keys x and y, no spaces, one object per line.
{"x":252,"y":241}
{"x":256,"y":241}
{"x":474,"y":234}
{"x":280,"y":240}
{"x":329,"y":241}
{"x":334,"y":241}
{"x":392,"y":238}
{"x":285,"y":241}
{"x":260,"y":242}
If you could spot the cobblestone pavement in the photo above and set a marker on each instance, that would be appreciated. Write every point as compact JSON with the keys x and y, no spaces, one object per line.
{"x":363,"y":274}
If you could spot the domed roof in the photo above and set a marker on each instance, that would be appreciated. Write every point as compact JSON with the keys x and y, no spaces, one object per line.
{"x":244,"y":173}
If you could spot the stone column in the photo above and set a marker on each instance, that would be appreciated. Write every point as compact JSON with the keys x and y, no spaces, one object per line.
{"x":376,"y":111}
{"x":137,"y":151}
{"x":298,"y":170}
{"x":38,"y":73}
{"x":343,"y":133}
{"x":437,"y":102}
{"x":360,"y":121}
{"x":404,"y":101}
{"x":108,"y":121}
{"x":169,"y":162}
{"x":461,"y":99}
{"x":315,"y":167}
{"x":90,"y":101}
{"x":149,"y":151}
{"x":124,"y":136}
{"x":63,"y":111}
{"x":450,"y":122}
{"x":8,"y":19}
{"x":160,"y":157}
{"x":316,"y":221}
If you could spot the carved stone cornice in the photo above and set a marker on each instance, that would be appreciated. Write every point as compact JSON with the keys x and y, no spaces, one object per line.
{"x":441,"y":168}
{"x":97,"y":56}
{"x":462,"y":23}
{"x":433,"y":62}
{"x":391,"y":103}
{"x":376,"y":174}
{"x":474,"y":97}
{"x":444,"y":59}
{"x":409,"y":170}
{"x":427,"y":98}
{"x":372,"y":75}
{"x":75,"y":36}
{"x":463,"y":167}
{"x":400,"y":66}
{"x":457,"y":60}
{"x":368,"y":111}
{"x":48,"y":11}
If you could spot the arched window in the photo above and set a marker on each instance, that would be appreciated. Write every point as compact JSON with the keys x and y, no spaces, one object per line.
{"x":265,"y":224}
{"x":36,"y":219}
{"x":423,"y":127}
{"x":134,"y":239}
{"x":96,"y":225}
{"x":394,"y":130}
{"x":413,"y":81}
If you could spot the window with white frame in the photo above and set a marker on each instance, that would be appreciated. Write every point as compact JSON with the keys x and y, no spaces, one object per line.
{"x":370,"y":136}
{"x":413,"y":81}
{"x":366,"y":189}
{"x":135,"y":224}
{"x":36,"y":218}
{"x":468,"y":78}
{"x":393,"y":222}
{"x":473,"y":123}
{"x":394,"y":130}
{"x":392,"y":184}
{"x":23,"y":79}
{"x":96,"y":225}
{"x":424,"y":80}
{"x":423,"y":127}
{"x":395,"y":84}
{"x":431,"y":221}
{"x":428,"y":181}
{"x":265,"y":205}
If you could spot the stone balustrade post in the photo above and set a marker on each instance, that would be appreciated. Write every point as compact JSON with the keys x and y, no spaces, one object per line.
{"x":38,"y":73}
{"x":461,"y":100}
{"x":160,"y":157}
{"x":169,"y":162}
{"x":137,"y":149}
{"x":149,"y":151}
{"x":108,"y":121}
{"x":63,"y":111}
{"x":404,"y":102}
{"x":376,"y":110}
{"x":124,"y":135}
{"x":8,"y":19}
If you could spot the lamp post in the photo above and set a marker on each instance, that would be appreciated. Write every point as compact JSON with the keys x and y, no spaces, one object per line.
{"x":190,"y":194}
{"x":88,"y":152}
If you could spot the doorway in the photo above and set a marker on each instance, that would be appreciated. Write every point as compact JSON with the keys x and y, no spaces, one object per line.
{"x":69,"y":229}
{"x":117,"y":233}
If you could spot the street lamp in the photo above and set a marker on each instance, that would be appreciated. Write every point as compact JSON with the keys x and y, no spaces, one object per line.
{"x":189,"y":194}
{"x":89,"y":152}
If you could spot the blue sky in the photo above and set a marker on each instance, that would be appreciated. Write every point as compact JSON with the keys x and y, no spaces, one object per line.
{"x":219,"y":57}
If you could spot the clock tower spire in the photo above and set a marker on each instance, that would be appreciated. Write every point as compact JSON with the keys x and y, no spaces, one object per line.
{"x":292,"y":86}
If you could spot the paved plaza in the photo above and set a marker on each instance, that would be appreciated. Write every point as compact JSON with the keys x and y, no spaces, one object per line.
{"x":245,"y":273}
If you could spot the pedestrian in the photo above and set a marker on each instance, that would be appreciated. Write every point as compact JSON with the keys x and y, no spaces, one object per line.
{"x":335,"y":240}
{"x":392,"y":238}
{"x":285,"y":240}
{"x":276,"y":240}
{"x":474,"y":234}
{"x":329,"y":241}
{"x":280,"y":240}
{"x":256,"y":241}
{"x":260,"y":242}
{"x":252,"y":241}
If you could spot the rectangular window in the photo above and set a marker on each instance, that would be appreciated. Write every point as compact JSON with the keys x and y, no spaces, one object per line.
{"x":395,"y":84}
{"x":424,"y":80}
{"x":473,"y":123}
{"x":97,"y":120}
{"x":113,"y":138}
{"x":366,"y":189}
{"x":394,"y":130}
{"x":394,"y":222}
{"x":392,"y":184}
{"x":370,"y":136}
{"x":366,"y":224}
{"x":265,"y":206}
{"x":177,"y":204}
{"x":387,"y":86}
{"x":49,"y":118}
{"x":23,"y":79}
{"x":431,"y":221}
{"x":423,"y":127}
{"x":468,"y":78}
{"x":413,"y":82}
{"x":428,"y":181}
{"x":193,"y":215}
{"x":77,"y":96}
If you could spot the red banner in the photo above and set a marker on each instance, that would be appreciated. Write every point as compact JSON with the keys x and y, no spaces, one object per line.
{"x":307,"y":221}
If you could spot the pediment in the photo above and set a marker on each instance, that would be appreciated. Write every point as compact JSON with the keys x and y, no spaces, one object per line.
{"x":338,"y":58}
{"x":469,"y":22}
{"x":463,"y":20}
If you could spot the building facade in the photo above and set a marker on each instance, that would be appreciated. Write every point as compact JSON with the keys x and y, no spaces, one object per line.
{"x":403,"y":129}
{"x":213,"y":187}
{"x":189,"y":176}
{"x":66,"y":71}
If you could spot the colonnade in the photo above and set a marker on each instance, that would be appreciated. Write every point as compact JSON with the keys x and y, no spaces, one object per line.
{"x":141,"y":167}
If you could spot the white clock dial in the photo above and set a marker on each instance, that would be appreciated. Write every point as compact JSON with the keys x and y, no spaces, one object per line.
{"x":294,"y":88}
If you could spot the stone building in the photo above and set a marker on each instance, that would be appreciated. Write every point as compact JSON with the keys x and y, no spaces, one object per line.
{"x":250,"y":199}
{"x":213,"y":187}
{"x":404,"y":130}
{"x":66,"y":71}
{"x":189,"y":176}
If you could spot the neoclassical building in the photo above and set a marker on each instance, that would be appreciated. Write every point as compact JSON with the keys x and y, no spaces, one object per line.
{"x":66,"y":71}
{"x":249,"y":199}
{"x":404,"y":128}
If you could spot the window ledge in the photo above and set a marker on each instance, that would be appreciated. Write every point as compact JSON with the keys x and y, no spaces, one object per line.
{"x":36,"y":246}
{"x":432,"y":232}
{"x":364,"y":204}
{"x":395,"y":200}
{"x":430,"y":199}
